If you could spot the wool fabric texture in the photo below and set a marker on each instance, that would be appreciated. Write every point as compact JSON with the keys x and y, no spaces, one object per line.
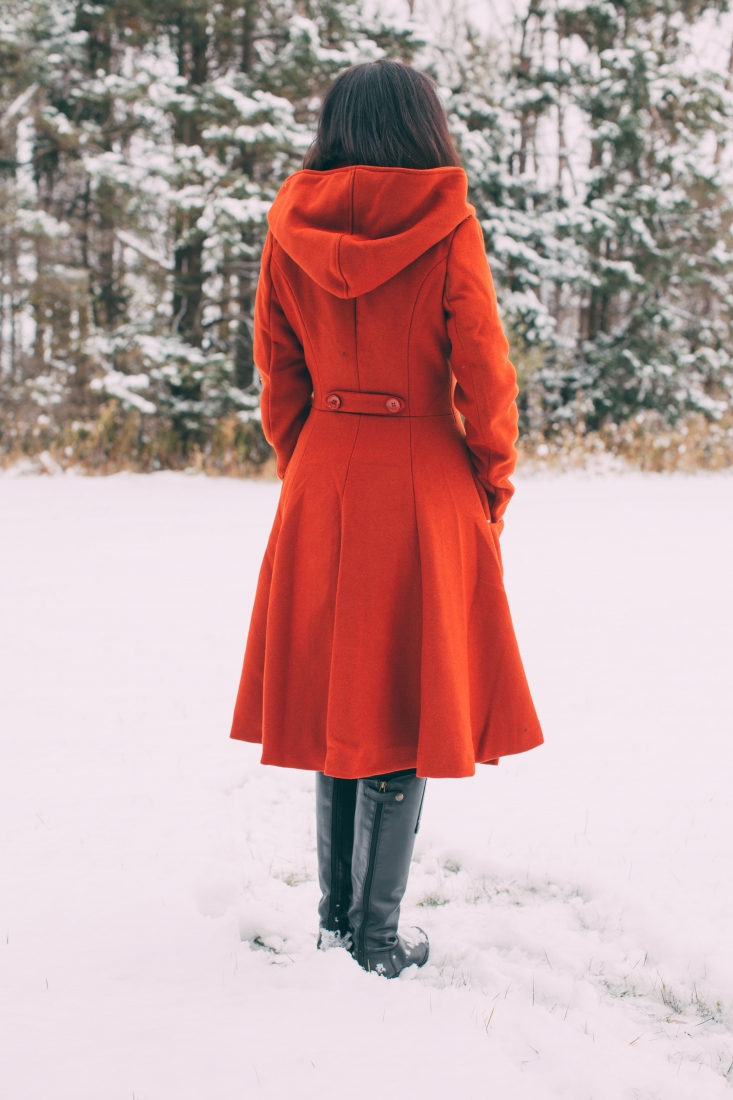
{"x":381,"y":637}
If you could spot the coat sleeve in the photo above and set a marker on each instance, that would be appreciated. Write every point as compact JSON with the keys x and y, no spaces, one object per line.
{"x":486,"y":385}
{"x":279,"y":358}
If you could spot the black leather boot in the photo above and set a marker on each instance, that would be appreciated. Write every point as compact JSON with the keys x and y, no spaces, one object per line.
{"x":335,"y":805}
{"x":387,"y":819}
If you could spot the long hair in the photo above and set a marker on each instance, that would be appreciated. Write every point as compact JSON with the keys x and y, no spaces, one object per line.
{"x":385,"y":114}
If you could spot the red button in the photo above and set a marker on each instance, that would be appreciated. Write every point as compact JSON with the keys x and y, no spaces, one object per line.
{"x":333,"y":401}
{"x":393,"y":404}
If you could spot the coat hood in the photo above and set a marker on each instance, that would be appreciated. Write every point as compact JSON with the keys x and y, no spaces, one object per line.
{"x":351,"y":229}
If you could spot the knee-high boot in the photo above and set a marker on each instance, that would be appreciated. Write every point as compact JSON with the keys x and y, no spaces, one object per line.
{"x":386,"y":821}
{"x":335,"y":803}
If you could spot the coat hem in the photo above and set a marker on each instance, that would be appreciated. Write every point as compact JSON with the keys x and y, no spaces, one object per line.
{"x":253,"y":738}
{"x":397,"y":763}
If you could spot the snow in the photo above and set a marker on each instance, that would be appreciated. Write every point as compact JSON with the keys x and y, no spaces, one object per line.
{"x":119,"y":385}
{"x":157,"y":892}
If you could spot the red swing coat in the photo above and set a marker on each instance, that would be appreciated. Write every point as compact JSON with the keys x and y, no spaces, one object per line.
{"x":381,"y":637}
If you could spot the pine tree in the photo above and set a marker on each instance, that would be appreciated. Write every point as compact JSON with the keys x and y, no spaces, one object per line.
{"x":159,"y":135}
{"x":656,"y":324}
{"x":611,"y":258}
{"x":142,"y":143}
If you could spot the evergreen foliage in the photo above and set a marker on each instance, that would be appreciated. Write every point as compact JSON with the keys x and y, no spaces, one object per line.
{"x":141,"y":144}
{"x":142,"y":147}
{"x":614,"y":256}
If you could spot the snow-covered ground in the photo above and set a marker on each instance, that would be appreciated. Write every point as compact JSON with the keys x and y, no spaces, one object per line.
{"x":157,"y":891}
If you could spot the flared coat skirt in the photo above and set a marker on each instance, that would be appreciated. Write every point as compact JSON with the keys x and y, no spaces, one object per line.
{"x":381,"y":637}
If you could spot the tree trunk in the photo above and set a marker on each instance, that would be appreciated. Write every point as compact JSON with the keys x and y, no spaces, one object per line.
{"x":189,"y":275}
{"x":249,"y":25}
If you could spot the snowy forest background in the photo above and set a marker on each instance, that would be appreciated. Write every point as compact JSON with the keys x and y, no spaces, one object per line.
{"x":142,"y":143}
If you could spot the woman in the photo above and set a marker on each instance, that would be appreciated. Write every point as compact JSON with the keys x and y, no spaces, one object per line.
{"x":381,"y":649}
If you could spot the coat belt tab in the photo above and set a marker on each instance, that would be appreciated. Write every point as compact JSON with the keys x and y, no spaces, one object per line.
{"x":368,"y":404}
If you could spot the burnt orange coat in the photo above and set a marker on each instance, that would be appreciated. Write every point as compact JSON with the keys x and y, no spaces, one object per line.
{"x":381,"y":638}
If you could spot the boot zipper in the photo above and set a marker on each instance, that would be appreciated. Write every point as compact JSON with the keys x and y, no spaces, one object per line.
{"x":370,"y":875}
{"x":336,"y":812}
{"x":419,"y":812}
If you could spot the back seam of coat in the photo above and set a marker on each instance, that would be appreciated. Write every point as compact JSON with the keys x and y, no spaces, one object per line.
{"x":338,"y":579}
{"x":356,"y":341}
{"x":443,"y":259}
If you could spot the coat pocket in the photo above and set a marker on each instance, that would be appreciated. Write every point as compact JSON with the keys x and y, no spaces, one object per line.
{"x":481,"y":492}
{"x":495,"y":529}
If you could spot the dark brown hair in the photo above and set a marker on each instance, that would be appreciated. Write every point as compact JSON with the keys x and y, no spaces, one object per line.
{"x":382,"y":113}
